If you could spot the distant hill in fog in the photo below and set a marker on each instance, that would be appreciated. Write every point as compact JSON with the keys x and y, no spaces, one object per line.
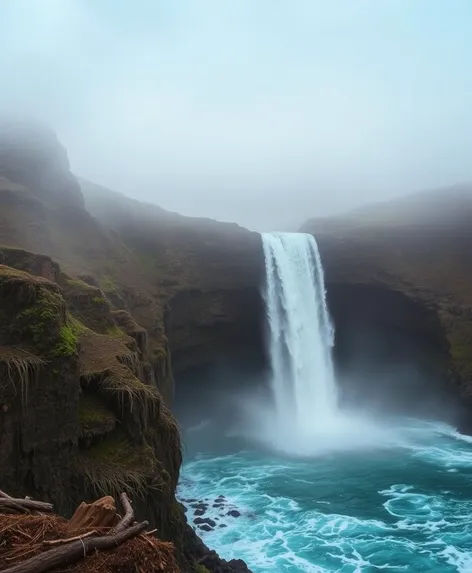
{"x":446,"y":205}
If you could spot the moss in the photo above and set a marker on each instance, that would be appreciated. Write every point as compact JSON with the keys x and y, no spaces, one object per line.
{"x":115,"y":464}
{"x":78,"y":284}
{"x":38,"y":314}
{"x":117,"y":449}
{"x":200,"y":569}
{"x":77,"y":325}
{"x":44,"y":324}
{"x":116,"y":331}
{"x":42,"y":318}
{"x":98,"y":300}
{"x":67,"y":344}
{"x":94,"y":416}
{"x":107,"y":284}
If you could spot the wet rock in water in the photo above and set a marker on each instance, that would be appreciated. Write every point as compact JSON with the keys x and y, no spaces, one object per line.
{"x":234,"y":513}
{"x":222,"y":525}
{"x":200,"y":508}
{"x":204,"y":521}
{"x":217,"y":565}
{"x":238,"y":565}
{"x":205,"y":527}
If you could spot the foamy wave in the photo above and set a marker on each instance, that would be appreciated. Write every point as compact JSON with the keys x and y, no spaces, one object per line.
{"x":305,"y":515}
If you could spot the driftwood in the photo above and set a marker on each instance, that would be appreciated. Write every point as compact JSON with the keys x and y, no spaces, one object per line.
{"x":69,"y":539}
{"x":10,"y":504}
{"x":74,"y":551}
{"x":128,"y":518}
{"x":100,"y":515}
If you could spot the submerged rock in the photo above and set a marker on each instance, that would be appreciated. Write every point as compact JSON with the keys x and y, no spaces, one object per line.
{"x":203,"y":521}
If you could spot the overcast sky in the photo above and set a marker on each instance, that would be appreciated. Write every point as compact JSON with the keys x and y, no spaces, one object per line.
{"x":260,"y":111}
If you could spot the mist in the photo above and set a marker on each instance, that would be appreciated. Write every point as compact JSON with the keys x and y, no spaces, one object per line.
{"x":263,"y":113}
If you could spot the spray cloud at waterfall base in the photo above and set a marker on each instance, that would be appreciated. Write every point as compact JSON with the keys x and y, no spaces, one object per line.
{"x":300,"y":414}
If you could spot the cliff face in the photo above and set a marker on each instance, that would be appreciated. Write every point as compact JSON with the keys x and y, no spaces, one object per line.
{"x":86,"y":329}
{"x":192,"y":284}
{"x":208,"y":275}
{"x":403,"y":268}
{"x":80,"y":413}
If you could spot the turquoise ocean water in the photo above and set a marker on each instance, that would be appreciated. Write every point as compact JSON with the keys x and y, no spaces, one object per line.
{"x":399,"y":501}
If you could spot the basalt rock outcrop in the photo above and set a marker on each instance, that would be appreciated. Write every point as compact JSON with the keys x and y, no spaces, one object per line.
{"x":88,"y":320}
{"x":401,"y":271}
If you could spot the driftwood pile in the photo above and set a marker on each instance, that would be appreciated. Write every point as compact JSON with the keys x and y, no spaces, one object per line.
{"x":95,"y":540}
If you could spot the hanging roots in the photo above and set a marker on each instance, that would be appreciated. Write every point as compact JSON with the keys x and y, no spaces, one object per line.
{"x":21,"y":367}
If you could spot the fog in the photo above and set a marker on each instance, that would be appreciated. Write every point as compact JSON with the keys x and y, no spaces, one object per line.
{"x":264,"y":113}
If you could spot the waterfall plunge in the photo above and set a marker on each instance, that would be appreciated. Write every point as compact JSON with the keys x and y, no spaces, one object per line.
{"x":300,"y":416}
{"x":300,"y":333}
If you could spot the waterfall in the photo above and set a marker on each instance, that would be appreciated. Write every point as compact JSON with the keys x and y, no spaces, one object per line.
{"x":300,"y":333}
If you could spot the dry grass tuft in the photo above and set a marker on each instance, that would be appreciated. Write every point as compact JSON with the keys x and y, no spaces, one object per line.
{"x":130,"y":393}
{"x":115,"y":464}
{"x":21,"y":367}
{"x":107,"y":360}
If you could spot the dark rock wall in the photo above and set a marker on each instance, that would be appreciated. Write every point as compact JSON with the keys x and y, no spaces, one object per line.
{"x":208,"y":275}
{"x":391,"y":352}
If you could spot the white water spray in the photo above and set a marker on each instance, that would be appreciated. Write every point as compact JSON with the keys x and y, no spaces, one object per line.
{"x":300,"y":332}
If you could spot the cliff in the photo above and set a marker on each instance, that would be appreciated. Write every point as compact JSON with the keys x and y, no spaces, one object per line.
{"x":404,"y":266}
{"x":89,"y":317}
{"x":81,"y":414}
{"x":207,"y":273}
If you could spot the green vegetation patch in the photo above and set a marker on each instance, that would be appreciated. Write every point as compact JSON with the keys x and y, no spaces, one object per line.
{"x":115,"y":465}
{"x":67,"y":344}
{"x":94,"y":416}
{"x":39,"y":316}
{"x":107,"y":284}
{"x":78,"y":326}
{"x":115,"y":330}
{"x":77,"y":285}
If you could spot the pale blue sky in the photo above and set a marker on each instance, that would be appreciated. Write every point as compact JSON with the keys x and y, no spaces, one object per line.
{"x":260,"y":111}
